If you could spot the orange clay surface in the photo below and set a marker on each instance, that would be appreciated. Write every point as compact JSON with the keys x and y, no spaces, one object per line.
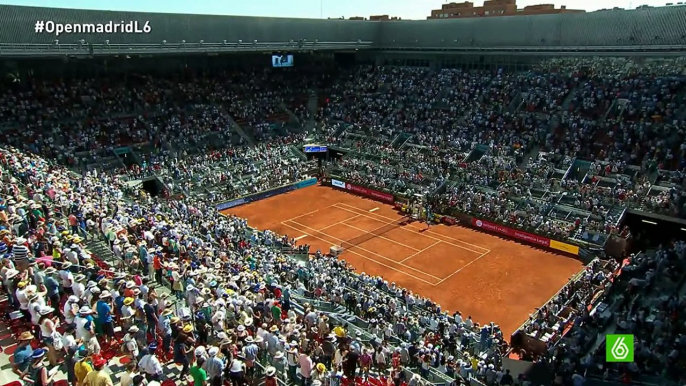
{"x":487,"y":277}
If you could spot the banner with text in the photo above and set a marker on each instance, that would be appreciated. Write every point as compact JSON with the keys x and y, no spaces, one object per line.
{"x":525,"y":236}
{"x":515,"y":234}
{"x":564,"y":247}
{"x":363,"y":191}
{"x":266,"y":194}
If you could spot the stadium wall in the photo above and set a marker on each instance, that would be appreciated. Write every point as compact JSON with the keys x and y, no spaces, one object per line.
{"x":19,"y":27}
{"x":649,"y":27}
{"x":458,"y":218}
{"x":266,"y":194}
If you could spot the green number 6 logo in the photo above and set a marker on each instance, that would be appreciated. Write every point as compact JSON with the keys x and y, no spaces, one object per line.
{"x":619,"y":348}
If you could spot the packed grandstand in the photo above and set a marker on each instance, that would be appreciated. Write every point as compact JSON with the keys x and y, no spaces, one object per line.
{"x":118,"y":266}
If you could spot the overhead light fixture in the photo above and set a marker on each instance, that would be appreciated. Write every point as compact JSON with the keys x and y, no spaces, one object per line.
{"x":683,"y":229}
{"x":651,"y":222}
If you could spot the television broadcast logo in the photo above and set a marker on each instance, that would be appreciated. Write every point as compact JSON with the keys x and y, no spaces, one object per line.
{"x":619,"y":348}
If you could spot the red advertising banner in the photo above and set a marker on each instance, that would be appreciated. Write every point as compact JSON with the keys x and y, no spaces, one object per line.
{"x":381,"y":196}
{"x":449,"y":220}
{"x":515,"y":234}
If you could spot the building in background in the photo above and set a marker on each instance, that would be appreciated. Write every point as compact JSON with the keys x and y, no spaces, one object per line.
{"x":376,"y":18}
{"x":495,"y":8}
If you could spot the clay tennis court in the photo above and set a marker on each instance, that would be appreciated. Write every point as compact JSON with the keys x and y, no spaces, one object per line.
{"x":487,"y":277}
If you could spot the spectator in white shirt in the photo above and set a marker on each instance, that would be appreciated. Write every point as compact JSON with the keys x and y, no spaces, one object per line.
{"x":127,"y":376}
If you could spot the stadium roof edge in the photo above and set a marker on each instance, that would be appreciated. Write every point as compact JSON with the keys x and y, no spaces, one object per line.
{"x":661,"y":26}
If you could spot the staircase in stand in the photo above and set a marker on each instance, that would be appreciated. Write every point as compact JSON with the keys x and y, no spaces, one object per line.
{"x":516,"y":102}
{"x":248,"y":138}
{"x":609,"y":109}
{"x":102,"y":250}
{"x":533,"y":154}
{"x":293,"y":118}
{"x":313,"y":103}
{"x":568,"y":99}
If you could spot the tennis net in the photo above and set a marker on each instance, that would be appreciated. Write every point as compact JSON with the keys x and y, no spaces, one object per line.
{"x":374,"y":233}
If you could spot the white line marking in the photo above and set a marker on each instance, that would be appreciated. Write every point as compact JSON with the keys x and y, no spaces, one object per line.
{"x":429,"y":231}
{"x":306,"y":214}
{"x":366,"y":257}
{"x":300,"y":237}
{"x":414,"y":230}
{"x":373,"y":210}
{"x":366,"y":250}
{"x":342,"y":222}
{"x":463,"y":267}
{"x":382,"y":237}
{"x":420,"y":251}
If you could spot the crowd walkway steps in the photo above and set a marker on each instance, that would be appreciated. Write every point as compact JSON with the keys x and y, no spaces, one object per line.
{"x":578,"y":170}
{"x":568,"y":99}
{"x":613,"y":105}
{"x":293,"y":118}
{"x":476,"y":153}
{"x":101,"y":249}
{"x":440,"y":189}
{"x":248,"y":138}
{"x":393,"y":113}
{"x":554,"y":124}
{"x":533,"y":154}
{"x":296,"y":151}
{"x":522,"y":101}
{"x":443,"y":94}
{"x":341,"y":129}
{"x":515,"y":103}
{"x":313,"y":104}
{"x":401,"y":140}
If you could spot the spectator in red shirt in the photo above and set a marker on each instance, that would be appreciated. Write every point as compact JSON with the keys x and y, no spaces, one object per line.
{"x":74,"y":224}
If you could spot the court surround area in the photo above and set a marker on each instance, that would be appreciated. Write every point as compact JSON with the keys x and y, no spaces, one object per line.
{"x":481,"y":275}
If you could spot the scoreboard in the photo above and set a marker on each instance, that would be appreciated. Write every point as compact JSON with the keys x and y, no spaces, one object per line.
{"x":315,"y":149}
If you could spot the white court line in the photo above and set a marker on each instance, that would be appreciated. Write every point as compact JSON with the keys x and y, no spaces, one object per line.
{"x":414,"y":230}
{"x":420,"y":251}
{"x":300,"y":237}
{"x":306,"y":214}
{"x":342,"y":222}
{"x":429,"y":231}
{"x":373,"y":210}
{"x":461,"y":268}
{"x":317,"y":210}
{"x":309,"y":213}
{"x":366,"y":250}
{"x":366,"y":257}
{"x":381,"y":237}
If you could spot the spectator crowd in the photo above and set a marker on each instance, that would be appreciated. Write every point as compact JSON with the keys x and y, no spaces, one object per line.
{"x":190,"y":294}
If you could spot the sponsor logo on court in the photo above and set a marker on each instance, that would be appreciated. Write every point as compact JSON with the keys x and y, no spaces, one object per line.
{"x":479,"y":223}
{"x":338,"y":184}
{"x":348,"y":186}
